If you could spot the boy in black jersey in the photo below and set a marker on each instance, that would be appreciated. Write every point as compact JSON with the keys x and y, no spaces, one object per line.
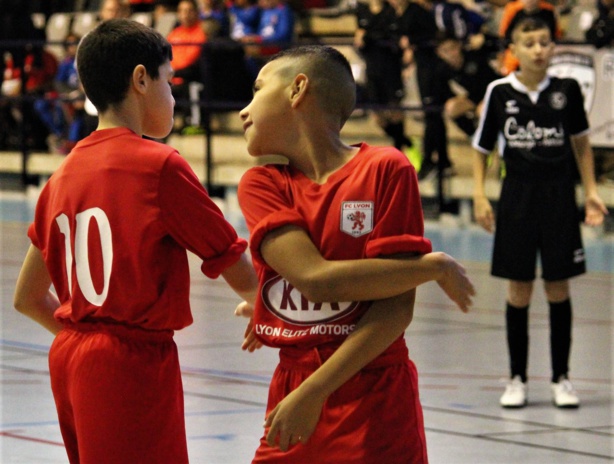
{"x":541,"y":126}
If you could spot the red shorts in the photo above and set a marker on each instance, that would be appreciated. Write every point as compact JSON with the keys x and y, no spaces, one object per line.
{"x":374,"y":418}
{"x":119,"y":395}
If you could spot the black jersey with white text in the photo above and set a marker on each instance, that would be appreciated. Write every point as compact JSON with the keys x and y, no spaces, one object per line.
{"x":532,"y":128}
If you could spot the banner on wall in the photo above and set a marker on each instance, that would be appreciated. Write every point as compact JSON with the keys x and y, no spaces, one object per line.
{"x":594,"y":71}
{"x":579,"y":66}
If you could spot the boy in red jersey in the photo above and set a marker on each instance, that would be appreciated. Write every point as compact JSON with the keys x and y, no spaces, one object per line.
{"x":110,"y":232}
{"x":339,"y":226}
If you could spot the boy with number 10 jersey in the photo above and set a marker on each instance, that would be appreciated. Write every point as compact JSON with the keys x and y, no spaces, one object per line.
{"x":110,"y":233}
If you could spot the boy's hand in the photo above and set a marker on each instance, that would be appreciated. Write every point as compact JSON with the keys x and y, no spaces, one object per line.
{"x":456,"y":284}
{"x":244,"y":309}
{"x":250,"y":342}
{"x":293,"y":420}
{"x":595,"y":210}
{"x":482,"y":210}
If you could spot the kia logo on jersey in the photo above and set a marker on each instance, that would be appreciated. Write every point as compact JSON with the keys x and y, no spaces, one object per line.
{"x":357,"y":217}
{"x":286,"y":302}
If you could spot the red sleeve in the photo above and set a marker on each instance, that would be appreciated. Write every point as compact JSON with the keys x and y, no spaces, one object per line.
{"x":265,"y":206}
{"x":32,"y":235}
{"x":399,"y":224}
{"x":194,"y":221}
{"x":37,"y":230}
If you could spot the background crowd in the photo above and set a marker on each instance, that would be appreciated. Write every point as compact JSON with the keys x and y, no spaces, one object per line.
{"x":452,"y":50}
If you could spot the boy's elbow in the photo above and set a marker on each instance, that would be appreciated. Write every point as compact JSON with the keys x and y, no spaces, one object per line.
{"x":27,"y":304}
{"x":21,"y":304}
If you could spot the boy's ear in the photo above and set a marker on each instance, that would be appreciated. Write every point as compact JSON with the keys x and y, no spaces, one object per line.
{"x":139,"y":78}
{"x":299,"y":89}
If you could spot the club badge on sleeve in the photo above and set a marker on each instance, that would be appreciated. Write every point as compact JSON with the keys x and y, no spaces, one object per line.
{"x":357,"y":217}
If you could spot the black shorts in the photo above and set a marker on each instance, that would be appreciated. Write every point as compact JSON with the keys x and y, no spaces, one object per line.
{"x":538,"y":218}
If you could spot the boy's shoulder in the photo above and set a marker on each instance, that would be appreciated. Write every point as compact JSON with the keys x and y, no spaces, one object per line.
{"x":499,"y":85}
{"x":561,"y":81}
{"x":368,"y":157}
{"x":124,"y":145}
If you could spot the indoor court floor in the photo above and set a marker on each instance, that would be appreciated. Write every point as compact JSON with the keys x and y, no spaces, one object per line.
{"x":461,"y":359}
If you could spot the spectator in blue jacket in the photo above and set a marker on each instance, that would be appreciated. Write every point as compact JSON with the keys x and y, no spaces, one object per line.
{"x":244,"y":18}
{"x":61,"y":110}
{"x":275,"y":31}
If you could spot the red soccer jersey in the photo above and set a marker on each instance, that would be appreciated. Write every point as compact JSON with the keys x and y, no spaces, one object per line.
{"x":370,"y":207}
{"x":118,"y":215}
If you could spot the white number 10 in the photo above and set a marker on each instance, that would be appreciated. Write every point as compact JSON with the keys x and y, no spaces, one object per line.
{"x":84,"y":275}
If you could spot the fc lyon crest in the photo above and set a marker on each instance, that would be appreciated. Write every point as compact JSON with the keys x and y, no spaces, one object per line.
{"x":357,"y":217}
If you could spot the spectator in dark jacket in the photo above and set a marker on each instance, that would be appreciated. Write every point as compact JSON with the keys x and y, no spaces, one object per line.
{"x":601,"y":33}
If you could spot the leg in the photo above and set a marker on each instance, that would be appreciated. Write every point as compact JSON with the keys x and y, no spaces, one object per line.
{"x":393,"y":123}
{"x":560,"y":326}
{"x":517,"y":329}
{"x":517,"y":326}
{"x":563,"y":392}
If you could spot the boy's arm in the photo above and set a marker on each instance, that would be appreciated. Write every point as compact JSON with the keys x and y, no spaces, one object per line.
{"x":295,"y":417}
{"x":290,"y":251}
{"x":595,"y":208}
{"x":242,"y":278}
{"x":482,"y":209}
{"x":33,"y":296}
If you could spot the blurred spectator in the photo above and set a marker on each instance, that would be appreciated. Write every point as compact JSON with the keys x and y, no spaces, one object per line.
{"x":112,"y":9}
{"x":26,"y":71}
{"x":470,"y":72}
{"x":601,"y":32}
{"x":30,"y":79}
{"x":214,"y":16}
{"x":244,"y":18}
{"x":61,"y":109}
{"x":454,"y":20}
{"x":378,"y":40}
{"x":516,"y":11}
{"x":187,"y":40}
{"x":419,"y":30}
{"x":15,"y":25}
{"x":161,"y":9}
{"x":275,"y":31}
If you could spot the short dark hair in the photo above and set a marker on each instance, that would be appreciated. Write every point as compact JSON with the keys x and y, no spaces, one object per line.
{"x":330,"y":73}
{"x":107,"y":56}
{"x":529,"y":25}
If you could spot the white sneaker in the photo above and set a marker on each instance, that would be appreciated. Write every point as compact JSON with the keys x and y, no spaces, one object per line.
{"x":515,"y":395}
{"x":564,"y":395}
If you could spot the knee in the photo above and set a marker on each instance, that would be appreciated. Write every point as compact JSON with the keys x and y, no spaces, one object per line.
{"x":519,"y":293}
{"x":557,"y":291}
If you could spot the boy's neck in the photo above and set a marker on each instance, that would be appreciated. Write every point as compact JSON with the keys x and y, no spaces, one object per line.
{"x":319,"y":167}
{"x":531,"y":80}
{"x":112,"y":119}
